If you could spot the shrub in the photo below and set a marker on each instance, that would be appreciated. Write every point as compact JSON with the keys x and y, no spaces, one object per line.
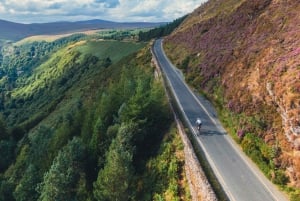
{"x":295,"y":196}
{"x":280,"y":178}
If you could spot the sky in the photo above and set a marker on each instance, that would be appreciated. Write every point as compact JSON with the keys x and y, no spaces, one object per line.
{"x":35,"y":11}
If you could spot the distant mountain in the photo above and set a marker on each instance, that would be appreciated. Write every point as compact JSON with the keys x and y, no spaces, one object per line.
{"x":16,"y":31}
{"x":245,"y":55}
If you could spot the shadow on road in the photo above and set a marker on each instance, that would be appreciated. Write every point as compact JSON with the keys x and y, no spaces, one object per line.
{"x":210,"y":133}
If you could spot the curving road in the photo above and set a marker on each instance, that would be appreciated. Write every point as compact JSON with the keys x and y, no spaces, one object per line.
{"x":240,"y":179}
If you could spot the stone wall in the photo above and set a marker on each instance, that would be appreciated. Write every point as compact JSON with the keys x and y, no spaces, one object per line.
{"x":199,"y":186}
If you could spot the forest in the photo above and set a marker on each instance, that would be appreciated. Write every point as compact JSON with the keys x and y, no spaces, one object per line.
{"x":81,"y":122}
{"x":160,"y":31}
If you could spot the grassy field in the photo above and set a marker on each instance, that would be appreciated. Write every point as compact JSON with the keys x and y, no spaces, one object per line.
{"x":51,"y":38}
{"x":115,"y":50}
{"x":102,"y":33}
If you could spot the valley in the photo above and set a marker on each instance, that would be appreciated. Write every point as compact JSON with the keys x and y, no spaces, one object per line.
{"x":84,"y":114}
{"x":79,"y":109}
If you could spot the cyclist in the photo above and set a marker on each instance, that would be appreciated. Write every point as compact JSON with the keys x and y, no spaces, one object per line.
{"x":198,"y":123}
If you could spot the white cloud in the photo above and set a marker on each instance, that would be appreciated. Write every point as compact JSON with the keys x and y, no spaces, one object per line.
{"x":182,"y":7}
{"x":118,"y":10}
{"x":2,"y":9}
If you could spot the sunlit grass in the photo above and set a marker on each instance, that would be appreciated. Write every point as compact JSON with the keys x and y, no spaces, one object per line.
{"x":51,"y":38}
{"x":115,"y":50}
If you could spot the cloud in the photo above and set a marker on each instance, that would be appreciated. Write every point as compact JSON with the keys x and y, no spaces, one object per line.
{"x":55,"y":6}
{"x":117,"y":10}
{"x":2,"y":8}
{"x":109,"y":3}
{"x":154,"y":10}
{"x":137,"y":9}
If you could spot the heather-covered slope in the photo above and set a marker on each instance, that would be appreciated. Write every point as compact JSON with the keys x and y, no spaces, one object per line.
{"x":245,"y":55}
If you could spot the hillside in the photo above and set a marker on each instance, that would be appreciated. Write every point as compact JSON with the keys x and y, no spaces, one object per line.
{"x":79,"y":121}
{"x":16,"y":31}
{"x":245,"y":57}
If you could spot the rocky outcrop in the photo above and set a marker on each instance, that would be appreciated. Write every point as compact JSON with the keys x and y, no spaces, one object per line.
{"x":291,"y":128}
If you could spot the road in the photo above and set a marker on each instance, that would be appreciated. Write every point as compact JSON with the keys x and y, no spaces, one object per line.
{"x":239,"y":177}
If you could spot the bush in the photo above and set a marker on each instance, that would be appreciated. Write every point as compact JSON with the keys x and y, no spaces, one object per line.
{"x":253,"y":146}
{"x":295,"y":196}
{"x":6,"y":153}
{"x":280,"y":178}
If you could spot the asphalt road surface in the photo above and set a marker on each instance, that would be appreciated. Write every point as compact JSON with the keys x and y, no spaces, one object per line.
{"x":240,"y":179}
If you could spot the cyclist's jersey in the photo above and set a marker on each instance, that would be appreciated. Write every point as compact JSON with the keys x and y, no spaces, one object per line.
{"x":198,"y":122}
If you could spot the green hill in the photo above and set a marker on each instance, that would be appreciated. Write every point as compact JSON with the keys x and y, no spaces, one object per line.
{"x":85,"y":120}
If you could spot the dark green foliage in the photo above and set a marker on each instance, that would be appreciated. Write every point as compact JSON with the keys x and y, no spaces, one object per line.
{"x":6,"y":153}
{"x":26,"y":189}
{"x":159,"y":178}
{"x":185,"y":63}
{"x":39,"y":149}
{"x":107,"y":62}
{"x":17,"y":132}
{"x":114,"y":180}
{"x":263,"y":156}
{"x":7,"y":146}
{"x":60,"y":181}
{"x":6,"y":189}
{"x":252,"y":147}
{"x":122,"y":34}
{"x":3,"y":128}
{"x":280,"y":178}
{"x":161,"y":31}
{"x":78,"y":119}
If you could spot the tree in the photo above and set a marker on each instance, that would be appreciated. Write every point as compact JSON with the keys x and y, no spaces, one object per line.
{"x":61,"y":180}
{"x":135,"y":108}
{"x":107,"y":62}
{"x":114,"y":179}
{"x":161,"y":31}
{"x":3,"y":128}
{"x":6,"y":153}
{"x":6,"y":189}
{"x":26,"y":189}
